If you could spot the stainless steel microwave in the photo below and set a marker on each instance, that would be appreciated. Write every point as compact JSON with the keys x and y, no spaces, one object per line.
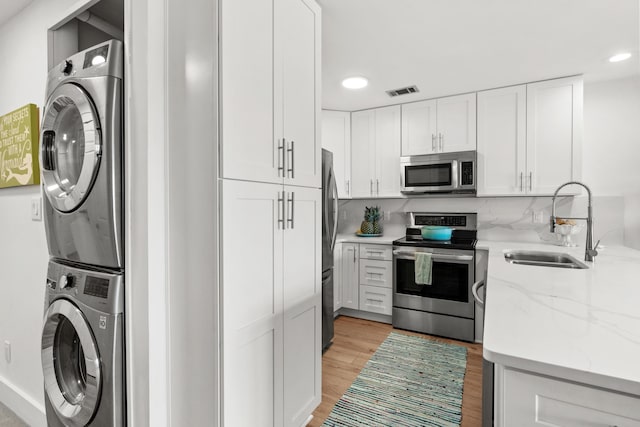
{"x":453,"y":173}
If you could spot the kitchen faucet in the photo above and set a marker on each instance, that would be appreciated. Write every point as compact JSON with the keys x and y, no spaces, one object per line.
{"x":589,"y":251}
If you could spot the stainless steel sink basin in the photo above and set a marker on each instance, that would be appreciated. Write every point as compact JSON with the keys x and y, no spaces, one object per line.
{"x":543,"y":259}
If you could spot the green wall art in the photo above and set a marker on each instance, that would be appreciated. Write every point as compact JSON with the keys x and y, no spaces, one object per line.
{"x":19,"y":136}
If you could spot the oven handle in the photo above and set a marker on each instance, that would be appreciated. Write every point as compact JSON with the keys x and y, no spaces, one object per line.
{"x":410,"y":256}
{"x":474,"y":290}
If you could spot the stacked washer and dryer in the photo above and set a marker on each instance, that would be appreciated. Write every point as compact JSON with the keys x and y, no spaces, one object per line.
{"x":82,"y":176}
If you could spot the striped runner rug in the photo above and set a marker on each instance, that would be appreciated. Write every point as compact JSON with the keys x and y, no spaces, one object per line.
{"x":409,"y":381}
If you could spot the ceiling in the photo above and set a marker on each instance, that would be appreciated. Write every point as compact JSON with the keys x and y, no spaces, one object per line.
{"x":447,"y":47}
{"x":9,"y":8}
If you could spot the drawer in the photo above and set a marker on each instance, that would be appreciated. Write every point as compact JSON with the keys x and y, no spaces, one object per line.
{"x":383,"y":252}
{"x":376,"y":273}
{"x":375,"y":299}
{"x":532,"y":400}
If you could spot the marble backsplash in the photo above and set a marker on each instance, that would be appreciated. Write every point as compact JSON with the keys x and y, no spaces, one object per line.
{"x":499,"y":218}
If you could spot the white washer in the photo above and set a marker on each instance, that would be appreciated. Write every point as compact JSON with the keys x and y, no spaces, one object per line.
{"x":81,"y":157}
{"x":83,"y":348}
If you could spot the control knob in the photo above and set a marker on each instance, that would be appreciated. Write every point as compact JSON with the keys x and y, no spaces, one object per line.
{"x":66,"y":67}
{"x":66,"y":281}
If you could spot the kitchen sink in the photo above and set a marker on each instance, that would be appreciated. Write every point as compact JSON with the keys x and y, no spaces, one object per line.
{"x":543,"y":259}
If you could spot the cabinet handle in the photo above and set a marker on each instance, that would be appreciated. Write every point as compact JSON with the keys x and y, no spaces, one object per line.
{"x":281,"y":159}
{"x":521,"y":187}
{"x":347,"y":184}
{"x":291,"y":164}
{"x":433,"y":142}
{"x":530,"y":181}
{"x":290,"y":215}
{"x":441,"y":141}
{"x":354,"y":255}
{"x":280,"y":210}
{"x":371,"y":186}
{"x":377,"y":187}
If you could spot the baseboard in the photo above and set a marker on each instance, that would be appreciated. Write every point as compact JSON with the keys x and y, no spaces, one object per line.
{"x":367,"y":315}
{"x":24,"y":406}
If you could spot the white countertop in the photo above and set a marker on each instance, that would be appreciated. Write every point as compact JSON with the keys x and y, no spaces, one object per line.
{"x":385,"y":239}
{"x":581,"y":325}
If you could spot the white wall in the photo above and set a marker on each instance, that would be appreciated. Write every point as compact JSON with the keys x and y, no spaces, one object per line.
{"x":23,"y":249}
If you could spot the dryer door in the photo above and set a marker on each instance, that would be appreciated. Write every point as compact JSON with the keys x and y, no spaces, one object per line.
{"x":71,"y":147}
{"x":71,"y":364}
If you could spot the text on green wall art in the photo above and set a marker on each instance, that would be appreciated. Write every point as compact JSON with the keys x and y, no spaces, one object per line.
{"x":19,"y":135}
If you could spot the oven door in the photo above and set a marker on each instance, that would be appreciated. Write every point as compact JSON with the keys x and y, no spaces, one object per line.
{"x":450,"y":289}
{"x":429,"y":176}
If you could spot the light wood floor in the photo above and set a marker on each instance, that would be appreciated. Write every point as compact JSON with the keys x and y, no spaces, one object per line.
{"x":354,"y":343}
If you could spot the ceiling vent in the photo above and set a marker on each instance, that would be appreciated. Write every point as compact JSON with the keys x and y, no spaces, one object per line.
{"x":403,"y":91}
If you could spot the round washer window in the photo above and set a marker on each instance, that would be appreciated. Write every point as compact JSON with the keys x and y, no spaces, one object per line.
{"x":69,"y":364}
{"x":69,"y":142}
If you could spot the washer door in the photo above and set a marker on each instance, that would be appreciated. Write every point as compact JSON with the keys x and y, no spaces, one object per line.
{"x":71,"y":364}
{"x":71,"y":147}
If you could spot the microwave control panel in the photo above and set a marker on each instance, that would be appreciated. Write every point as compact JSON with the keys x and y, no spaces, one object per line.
{"x":466,"y":174}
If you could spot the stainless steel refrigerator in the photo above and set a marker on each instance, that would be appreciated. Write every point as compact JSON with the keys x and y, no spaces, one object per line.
{"x":329,"y":233}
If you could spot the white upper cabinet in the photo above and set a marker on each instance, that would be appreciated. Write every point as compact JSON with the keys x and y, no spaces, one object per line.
{"x":419,"y":128}
{"x":336,"y":137}
{"x":387,"y":151}
{"x":297,"y":51}
{"x":270,"y":103}
{"x":554,"y":134}
{"x":502,"y":141}
{"x":529,"y":138}
{"x":249,"y":148}
{"x":443,"y":125}
{"x":375,"y":152}
{"x":456,"y":119}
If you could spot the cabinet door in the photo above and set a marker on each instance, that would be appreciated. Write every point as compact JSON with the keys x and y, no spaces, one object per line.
{"x":336,"y":137}
{"x":554,"y":134}
{"x":502,"y":141}
{"x":387,"y":151}
{"x":457,"y":123}
{"x":302,"y":304}
{"x":350,"y":292}
{"x":252,"y":300}
{"x":248,"y":148}
{"x":298,"y":41}
{"x":363,"y":153}
{"x":337,"y":277}
{"x":419,"y":128}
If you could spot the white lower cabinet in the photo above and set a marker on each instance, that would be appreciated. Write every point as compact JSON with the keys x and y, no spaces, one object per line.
{"x":376,"y":273}
{"x":527,"y":399}
{"x":375,"y":299}
{"x":349,"y":267}
{"x":337,"y":277}
{"x":271,"y":294}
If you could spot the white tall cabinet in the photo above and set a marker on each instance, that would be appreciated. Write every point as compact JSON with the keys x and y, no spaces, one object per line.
{"x":270,"y":211}
{"x":375,"y":152}
{"x":336,"y":137}
{"x":270,"y":91}
{"x":530,"y":138}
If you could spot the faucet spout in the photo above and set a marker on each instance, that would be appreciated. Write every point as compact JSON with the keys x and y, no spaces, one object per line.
{"x":589,"y":252}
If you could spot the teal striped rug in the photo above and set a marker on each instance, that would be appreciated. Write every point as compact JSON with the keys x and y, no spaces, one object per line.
{"x":409,"y":381}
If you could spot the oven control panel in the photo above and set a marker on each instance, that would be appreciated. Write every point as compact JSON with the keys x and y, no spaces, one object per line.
{"x":447,"y":221}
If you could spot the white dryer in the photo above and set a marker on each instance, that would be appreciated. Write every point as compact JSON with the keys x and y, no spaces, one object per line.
{"x":83,"y":347}
{"x":81,"y":157}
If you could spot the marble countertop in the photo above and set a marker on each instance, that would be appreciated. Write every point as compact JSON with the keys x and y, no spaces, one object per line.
{"x":385,"y":239}
{"x":581,"y":325}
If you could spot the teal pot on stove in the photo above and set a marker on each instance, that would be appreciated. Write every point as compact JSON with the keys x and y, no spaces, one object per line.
{"x":436,"y":232}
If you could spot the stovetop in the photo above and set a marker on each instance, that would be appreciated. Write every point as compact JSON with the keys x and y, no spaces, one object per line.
{"x":463,"y":235}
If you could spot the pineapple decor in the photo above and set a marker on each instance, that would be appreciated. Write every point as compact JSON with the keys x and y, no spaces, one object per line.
{"x":371,"y":223}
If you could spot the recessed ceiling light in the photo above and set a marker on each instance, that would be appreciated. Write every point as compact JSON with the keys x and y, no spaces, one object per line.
{"x":355,"y":82}
{"x":620,"y":57}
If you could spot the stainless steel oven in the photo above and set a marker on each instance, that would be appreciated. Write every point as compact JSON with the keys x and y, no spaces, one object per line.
{"x":439,"y":173}
{"x":446,"y":307}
